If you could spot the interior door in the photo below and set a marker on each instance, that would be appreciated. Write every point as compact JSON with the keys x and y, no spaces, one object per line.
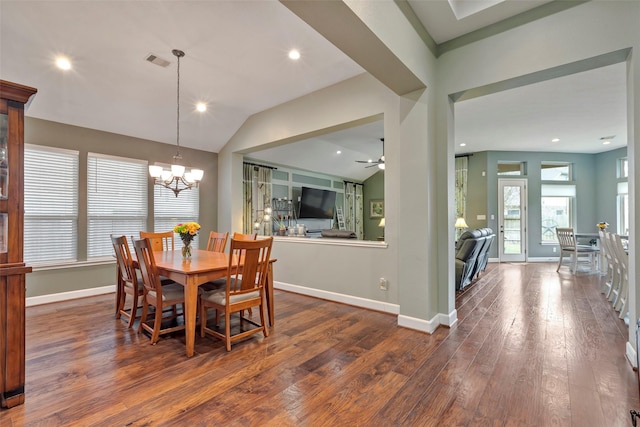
{"x":512,"y":219}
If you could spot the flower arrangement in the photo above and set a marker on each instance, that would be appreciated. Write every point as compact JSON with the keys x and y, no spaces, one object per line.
{"x":279,"y":221}
{"x":602,"y":225}
{"x":187,"y":232}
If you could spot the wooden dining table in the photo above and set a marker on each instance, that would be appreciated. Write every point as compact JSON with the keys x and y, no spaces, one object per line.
{"x":202,"y":267}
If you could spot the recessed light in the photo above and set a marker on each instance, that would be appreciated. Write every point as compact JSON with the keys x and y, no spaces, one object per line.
{"x":606,"y":142}
{"x":201,"y":106}
{"x":63,"y":63}
{"x":555,"y":140}
{"x":294,"y":54}
{"x":338,"y":152}
{"x":463,"y":144}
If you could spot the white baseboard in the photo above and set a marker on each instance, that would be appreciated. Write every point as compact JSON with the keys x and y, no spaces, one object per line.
{"x":64,"y":296}
{"x":428,"y":326}
{"x":422,"y":325}
{"x":632,"y":355}
{"x":342,"y":298}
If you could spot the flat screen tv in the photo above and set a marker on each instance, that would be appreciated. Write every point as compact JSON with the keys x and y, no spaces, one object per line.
{"x":315,"y":203}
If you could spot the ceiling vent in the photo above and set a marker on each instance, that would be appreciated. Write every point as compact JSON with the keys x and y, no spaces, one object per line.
{"x":157,"y":60}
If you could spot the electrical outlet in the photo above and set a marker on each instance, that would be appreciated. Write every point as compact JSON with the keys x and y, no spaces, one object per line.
{"x":554,"y":249}
{"x":383,"y":284}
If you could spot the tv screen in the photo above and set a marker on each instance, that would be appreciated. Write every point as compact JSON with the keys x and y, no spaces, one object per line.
{"x":316,"y":203}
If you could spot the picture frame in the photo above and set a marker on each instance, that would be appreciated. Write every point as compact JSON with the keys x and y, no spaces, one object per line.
{"x":376,"y":209}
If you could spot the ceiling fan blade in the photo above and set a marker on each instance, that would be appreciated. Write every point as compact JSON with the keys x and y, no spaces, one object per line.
{"x":363,"y":161}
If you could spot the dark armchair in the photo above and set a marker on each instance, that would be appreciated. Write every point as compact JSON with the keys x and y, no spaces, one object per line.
{"x":472,"y":255}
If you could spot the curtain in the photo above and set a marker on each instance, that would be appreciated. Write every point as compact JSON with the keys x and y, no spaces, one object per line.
{"x":247,"y":211}
{"x":461,"y":189}
{"x":263,"y":200}
{"x":354,"y":208}
{"x":257,"y":197}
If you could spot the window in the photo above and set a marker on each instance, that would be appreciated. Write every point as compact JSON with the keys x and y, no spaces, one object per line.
{"x":623,"y":208}
{"x":555,"y":171}
{"x":512,"y":168}
{"x":169,"y":210}
{"x":623,"y":168}
{"x":50,"y":204}
{"x":557,"y":204}
{"x":116,"y":201}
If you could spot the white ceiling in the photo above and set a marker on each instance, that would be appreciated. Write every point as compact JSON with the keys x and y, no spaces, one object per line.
{"x":236,"y":61}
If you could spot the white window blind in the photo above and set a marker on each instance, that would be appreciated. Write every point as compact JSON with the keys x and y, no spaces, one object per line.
{"x":50,"y":204}
{"x":558,"y":190}
{"x":116,"y":201}
{"x":169,"y":210}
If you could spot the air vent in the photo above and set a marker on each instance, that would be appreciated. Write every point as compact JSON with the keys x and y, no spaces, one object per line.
{"x":604,"y":138}
{"x":157,"y":60}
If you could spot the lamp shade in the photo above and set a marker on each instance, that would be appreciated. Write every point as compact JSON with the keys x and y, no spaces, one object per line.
{"x":381,"y":223}
{"x":461,"y":223}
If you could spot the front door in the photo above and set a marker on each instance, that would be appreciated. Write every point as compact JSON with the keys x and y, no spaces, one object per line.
{"x":512,"y":219}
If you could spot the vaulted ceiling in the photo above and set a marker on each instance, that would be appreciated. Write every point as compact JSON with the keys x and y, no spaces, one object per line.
{"x":236,"y":62}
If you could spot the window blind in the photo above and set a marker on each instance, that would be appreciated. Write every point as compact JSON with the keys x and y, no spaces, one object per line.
{"x":169,"y":210}
{"x":50,"y":204}
{"x":116,"y":201}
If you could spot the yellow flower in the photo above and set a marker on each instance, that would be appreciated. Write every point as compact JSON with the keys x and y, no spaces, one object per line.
{"x":602,"y":225}
{"x":190,"y":228}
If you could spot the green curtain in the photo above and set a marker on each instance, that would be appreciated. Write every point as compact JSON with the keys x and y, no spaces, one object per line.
{"x":461,"y":188}
{"x":247,"y":211}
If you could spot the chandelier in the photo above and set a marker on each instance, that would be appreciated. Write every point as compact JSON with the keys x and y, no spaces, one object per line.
{"x":177,"y":178}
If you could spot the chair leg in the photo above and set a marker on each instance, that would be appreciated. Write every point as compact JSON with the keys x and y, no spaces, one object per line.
{"x":143,"y":316}
{"x":560,"y":261}
{"x":263,"y":316}
{"x":157,"y":323}
{"x":575,"y":262}
{"x":227,"y":329}
{"x":203,"y":319}
{"x":134,"y":310}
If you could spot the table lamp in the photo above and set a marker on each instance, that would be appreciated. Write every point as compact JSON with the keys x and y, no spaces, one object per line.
{"x":460,"y":225}
{"x":381,"y":224}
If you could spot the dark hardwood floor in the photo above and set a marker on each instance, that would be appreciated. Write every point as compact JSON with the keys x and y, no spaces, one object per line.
{"x":532,"y":348}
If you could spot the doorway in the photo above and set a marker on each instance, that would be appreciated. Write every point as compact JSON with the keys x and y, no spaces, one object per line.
{"x":512,"y":220}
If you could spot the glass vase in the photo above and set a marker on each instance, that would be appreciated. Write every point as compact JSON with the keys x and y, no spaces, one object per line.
{"x":186,"y":251}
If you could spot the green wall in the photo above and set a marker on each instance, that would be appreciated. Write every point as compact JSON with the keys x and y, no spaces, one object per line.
{"x":373,"y":190}
{"x":594,"y":177}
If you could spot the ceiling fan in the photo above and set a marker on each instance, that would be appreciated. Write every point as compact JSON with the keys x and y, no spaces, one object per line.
{"x":379,"y":162}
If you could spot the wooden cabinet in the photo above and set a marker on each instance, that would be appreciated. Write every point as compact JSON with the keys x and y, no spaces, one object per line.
{"x":13,"y":98}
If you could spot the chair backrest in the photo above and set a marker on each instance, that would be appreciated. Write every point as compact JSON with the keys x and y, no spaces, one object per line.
{"x":159,"y":241}
{"x":147,"y":265}
{"x":217,"y":241}
{"x":254,"y":258}
{"x":566,"y":238}
{"x":240,"y":236}
{"x":124,"y":260}
{"x":619,"y":252}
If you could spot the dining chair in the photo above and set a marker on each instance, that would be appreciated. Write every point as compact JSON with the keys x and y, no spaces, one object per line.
{"x":155,"y":294}
{"x":129,"y":282}
{"x":569,"y":246}
{"x":217,"y":241}
{"x":244,"y":289}
{"x":622,"y":292}
{"x":240,"y":236}
{"x":160,"y":241}
{"x":611,"y":279}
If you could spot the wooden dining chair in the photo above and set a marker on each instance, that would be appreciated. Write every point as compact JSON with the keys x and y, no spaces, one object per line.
{"x":245,"y":286}
{"x":240,"y":236}
{"x":160,"y":297}
{"x":620,"y":303}
{"x":128,"y":280}
{"x":217,"y":241}
{"x":569,"y":246}
{"x":160,"y":241}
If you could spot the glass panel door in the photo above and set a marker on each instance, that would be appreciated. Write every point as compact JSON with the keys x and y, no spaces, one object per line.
{"x":512,"y":219}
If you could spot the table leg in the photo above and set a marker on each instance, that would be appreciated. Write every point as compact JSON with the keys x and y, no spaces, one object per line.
{"x":190,"y":311}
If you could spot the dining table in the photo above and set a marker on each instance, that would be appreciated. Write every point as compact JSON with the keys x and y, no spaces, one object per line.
{"x":202,"y":267}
